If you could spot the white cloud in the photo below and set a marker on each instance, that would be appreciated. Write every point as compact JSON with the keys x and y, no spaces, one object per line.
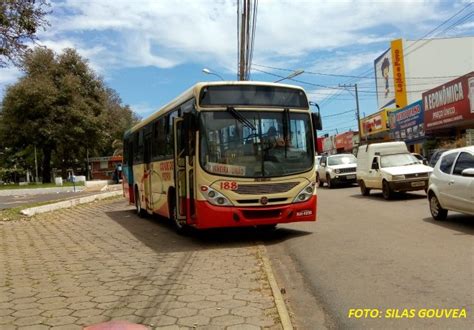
{"x":8,"y":75}
{"x":167,"y":33}
{"x":143,"y":109}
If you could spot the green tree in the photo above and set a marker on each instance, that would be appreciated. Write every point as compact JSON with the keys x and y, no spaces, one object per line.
{"x":61,"y":106}
{"x":19,"y":23}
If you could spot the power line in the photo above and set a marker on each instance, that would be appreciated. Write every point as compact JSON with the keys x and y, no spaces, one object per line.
{"x":346,"y":75}
{"x":339,"y":113}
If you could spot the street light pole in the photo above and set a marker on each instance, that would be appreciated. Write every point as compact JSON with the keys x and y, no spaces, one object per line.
{"x":291,"y":75}
{"x":207,"y":71}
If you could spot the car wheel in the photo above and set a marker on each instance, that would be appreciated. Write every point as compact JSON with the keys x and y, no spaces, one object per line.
{"x":363,"y":189}
{"x":386,"y":191}
{"x":138,"y":204}
{"x":329,"y":182}
{"x":437,"y":212}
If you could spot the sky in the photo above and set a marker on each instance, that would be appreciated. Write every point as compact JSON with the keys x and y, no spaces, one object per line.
{"x":151,"y":51}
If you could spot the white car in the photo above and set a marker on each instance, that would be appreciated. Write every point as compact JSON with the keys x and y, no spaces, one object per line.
{"x":334,"y":169}
{"x":451,"y":185}
{"x":316,"y":161}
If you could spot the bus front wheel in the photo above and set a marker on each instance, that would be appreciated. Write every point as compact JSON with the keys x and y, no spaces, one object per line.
{"x":180,"y":227}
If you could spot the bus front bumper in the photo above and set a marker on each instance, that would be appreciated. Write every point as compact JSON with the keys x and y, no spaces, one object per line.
{"x":211,"y":216}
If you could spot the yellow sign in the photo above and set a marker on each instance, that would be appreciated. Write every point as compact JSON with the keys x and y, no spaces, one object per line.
{"x":374,"y":123}
{"x":399,"y":73}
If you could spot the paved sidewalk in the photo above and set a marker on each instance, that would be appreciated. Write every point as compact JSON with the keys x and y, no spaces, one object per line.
{"x":100,"y":262}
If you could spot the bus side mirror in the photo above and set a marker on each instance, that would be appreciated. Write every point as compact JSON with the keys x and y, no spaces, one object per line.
{"x":316,"y":119}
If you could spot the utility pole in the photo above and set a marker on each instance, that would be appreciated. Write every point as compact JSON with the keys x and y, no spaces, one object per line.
{"x":243,"y":40}
{"x":357,"y":107}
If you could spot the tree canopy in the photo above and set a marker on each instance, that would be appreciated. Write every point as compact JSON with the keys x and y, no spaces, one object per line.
{"x":63,"y":108}
{"x":19,"y":23}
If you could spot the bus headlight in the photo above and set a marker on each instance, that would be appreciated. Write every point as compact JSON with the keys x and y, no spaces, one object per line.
{"x":214,"y":197}
{"x":305,"y":194}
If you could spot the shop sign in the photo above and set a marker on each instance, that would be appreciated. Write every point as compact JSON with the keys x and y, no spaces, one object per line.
{"x":407,"y":124}
{"x":451,"y":104}
{"x":374,"y":124}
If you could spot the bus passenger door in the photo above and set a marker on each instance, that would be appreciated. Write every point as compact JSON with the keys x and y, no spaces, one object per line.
{"x":180,"y":170}
{"x":147,"y":168}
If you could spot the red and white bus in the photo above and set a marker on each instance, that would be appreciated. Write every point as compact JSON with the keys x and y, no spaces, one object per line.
{"x":225,"y":154}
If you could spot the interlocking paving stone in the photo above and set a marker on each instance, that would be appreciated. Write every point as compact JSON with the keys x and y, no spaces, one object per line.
{"x":99,"y":262}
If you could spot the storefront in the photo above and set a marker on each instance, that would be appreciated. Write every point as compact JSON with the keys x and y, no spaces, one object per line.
{"x":344,"y":142}
{"x":329,"y":145}
{"x":103,"y":168}
{"x":449,"y":108}
{"x":407,"y":125}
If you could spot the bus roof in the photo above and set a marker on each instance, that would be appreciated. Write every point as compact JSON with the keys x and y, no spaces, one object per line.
{"x":194,"y":92}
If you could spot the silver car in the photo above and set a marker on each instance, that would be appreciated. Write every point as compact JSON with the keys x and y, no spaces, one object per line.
{"x":451,"y":185}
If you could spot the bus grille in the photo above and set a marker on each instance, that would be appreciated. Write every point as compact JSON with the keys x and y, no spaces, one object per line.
{"x":262,"y":188}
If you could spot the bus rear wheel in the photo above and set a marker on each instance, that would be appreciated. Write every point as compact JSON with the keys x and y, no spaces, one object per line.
{"x":138,"y":204}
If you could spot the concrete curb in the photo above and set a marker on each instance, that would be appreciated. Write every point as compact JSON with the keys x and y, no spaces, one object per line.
{"x":37,"y":191}
{"x":279,"y":301}
{"x":68,"y":203}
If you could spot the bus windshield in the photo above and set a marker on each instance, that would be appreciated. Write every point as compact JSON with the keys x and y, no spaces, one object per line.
{"x":232,"y":147}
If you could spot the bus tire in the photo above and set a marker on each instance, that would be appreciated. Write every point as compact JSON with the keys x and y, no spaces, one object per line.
{"x":173,"y":211}
{"x":138,"y":204}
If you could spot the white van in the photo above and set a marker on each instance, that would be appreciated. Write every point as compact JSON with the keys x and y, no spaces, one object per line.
{"x":389,"y":166}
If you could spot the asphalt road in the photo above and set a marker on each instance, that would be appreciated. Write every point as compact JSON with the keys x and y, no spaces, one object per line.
{"x":365,"y":252}
{"x":18,"y":199}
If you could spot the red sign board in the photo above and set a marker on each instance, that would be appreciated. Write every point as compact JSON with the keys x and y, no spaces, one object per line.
{"x":451,"y":104}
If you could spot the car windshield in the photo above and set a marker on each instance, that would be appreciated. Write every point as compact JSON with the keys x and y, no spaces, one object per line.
{"x":342,"y":160}
{"x":398,"y":160}
{"x":252,"y":144}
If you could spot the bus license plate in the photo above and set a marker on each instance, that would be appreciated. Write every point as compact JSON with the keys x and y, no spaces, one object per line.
{"x":418,"y":184}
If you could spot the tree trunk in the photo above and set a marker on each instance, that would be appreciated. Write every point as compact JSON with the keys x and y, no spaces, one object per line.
{"x":47,"y":164}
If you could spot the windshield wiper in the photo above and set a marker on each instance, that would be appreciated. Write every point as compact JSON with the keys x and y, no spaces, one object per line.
{"x":237,"y":115}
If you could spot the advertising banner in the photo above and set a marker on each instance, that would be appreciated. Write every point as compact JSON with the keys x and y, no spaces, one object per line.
{"x":399,"y":73}
{"x":407,"y":124}
{"x":344,"y":141}
{"x":375,"y":123}
{"x":450,"y":105}
{"x":384,"y":80}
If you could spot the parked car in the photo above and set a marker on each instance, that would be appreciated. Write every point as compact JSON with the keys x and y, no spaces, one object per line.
{"x":335,"y":169}
{"x":451,"y":185}
{"x":389,"y":166}
{"x":421,"y":158}
{"x":316,"y":161}
{"x":435,"y":156}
